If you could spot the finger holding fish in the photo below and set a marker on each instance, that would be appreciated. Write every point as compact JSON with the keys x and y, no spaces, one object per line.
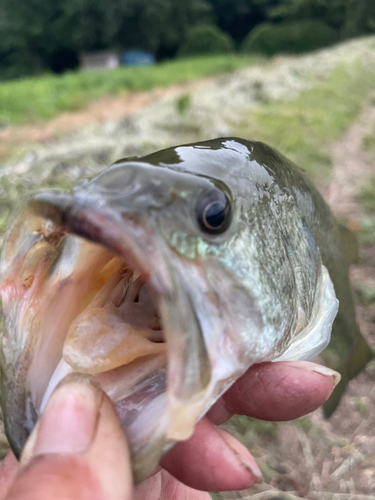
{"x":211,"y":460}
{"x":295,"y":388}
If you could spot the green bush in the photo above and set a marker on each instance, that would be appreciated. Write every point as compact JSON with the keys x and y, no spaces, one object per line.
{"x":208,"y":39}
{"x":289,"y":38}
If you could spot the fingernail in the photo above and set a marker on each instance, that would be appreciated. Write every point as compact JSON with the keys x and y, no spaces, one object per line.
{"x":313,"y":367}
{"x":323,"y":370}
{"x":70,"y":418}
{"x":242,"y":455}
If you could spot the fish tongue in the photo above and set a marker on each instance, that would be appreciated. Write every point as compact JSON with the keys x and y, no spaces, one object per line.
{"x":113,"y":330}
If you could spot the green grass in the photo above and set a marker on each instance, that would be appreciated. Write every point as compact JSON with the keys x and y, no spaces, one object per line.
{"x":368,"y":196}
{"x":367,"y":231}
{"x":365,"y":294}
{"x":32,"y":99}
{"x":369,"y":142}
{"x":360,"y":406}
{"x":304,"y":128}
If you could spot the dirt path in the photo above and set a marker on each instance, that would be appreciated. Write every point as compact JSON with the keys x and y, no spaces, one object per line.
{"x":100,"y":111}
{"x":355,"y":417}
{"x":352,"y":168}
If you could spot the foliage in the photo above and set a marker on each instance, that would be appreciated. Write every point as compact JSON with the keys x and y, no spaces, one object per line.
{"x":32,"y":33}
{"x":292,"y":37}
{"x":44,"y":97}
{"x":160,"y":25}
{"x":206,"y":40}
{"x":368,"y":196}
{"x":39,"y":35}
{"x":183,"y":104}
{"x":238,"y":17}
{"x":331,"y":12}
{"x":351,"y":17}
{"x":365,"y":294}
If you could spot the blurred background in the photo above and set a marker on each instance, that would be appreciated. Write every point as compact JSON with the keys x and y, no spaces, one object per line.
{"x":86,"y":82}
{"x":43,"y":36}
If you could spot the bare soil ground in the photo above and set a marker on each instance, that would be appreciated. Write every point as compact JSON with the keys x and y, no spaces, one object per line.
{"x":352,"y":168}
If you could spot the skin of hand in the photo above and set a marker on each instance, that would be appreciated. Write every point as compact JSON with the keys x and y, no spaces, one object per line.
{"x":78,"y":450}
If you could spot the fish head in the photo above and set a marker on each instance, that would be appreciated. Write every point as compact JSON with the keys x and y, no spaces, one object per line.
{"x":155,"y":279}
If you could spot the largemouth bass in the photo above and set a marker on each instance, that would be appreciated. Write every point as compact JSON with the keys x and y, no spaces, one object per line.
{"x":165,"y":278}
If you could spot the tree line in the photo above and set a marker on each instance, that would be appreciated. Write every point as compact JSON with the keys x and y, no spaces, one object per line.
{"x":48,"y":35}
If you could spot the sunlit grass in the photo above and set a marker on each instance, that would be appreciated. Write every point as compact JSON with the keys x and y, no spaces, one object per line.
{"x":42,"y":98}
{"x":367,"y":198}
{"x":304,"y":128}
{"x":367,"y":230}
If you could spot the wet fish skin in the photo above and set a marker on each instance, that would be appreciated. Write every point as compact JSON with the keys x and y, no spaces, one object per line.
{"x":348,"y":352}
{"x":254,"y":286}
{"x":266,"y":215}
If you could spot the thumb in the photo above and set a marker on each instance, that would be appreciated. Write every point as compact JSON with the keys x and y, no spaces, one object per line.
{"x":77,"y":451}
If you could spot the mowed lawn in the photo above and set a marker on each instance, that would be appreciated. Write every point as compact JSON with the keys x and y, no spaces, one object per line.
{"x":305,"y":128}
{"x":41,"y":98}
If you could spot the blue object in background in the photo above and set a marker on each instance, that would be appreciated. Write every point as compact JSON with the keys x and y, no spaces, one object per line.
{"x":137,"y":58}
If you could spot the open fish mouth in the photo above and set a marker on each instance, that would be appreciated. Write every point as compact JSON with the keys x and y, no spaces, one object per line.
{"x":97,"y":293}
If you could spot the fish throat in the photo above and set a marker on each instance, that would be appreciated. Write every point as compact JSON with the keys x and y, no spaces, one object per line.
{"x":119,"y":325}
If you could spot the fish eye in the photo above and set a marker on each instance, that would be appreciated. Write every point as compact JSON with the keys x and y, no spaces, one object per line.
{"x":213,"y":212}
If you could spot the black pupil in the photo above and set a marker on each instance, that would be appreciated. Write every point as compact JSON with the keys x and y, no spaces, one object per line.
{"x":213,"y":211}
{"x":214,"y":214}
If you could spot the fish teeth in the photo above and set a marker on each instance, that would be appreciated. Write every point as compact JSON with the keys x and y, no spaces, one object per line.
{"x":125,"y":291}
{"x":136,"y":275}
{"x":133,"y":278}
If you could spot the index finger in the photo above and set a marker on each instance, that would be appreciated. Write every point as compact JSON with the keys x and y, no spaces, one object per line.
{"x":278,"y":391}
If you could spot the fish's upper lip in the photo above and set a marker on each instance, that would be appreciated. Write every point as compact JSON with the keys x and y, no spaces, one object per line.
{"x":130,"y":236}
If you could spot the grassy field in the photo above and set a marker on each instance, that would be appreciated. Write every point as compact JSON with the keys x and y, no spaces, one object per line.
{"x":304,"y":128}
{"x":42,"y":98}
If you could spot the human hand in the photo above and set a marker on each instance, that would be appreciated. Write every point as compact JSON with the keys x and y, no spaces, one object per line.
{"x":78,"y":450}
